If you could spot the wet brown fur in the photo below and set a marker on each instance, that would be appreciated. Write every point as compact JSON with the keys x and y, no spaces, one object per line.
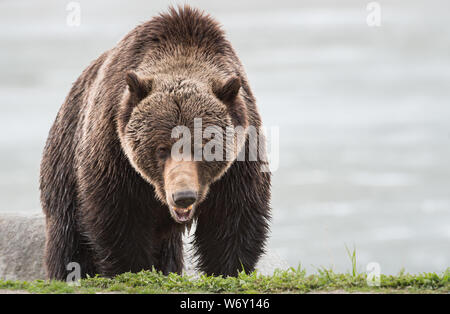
{"x":102,"y":188}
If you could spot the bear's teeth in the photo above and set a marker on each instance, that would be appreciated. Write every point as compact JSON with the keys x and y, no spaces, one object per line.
{"x":185,"y":210}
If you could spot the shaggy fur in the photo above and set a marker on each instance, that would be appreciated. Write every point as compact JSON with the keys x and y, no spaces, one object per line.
{"x":102,"y":172}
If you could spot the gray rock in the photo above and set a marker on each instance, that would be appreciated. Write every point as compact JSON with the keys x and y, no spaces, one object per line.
{"x":22,"y":238}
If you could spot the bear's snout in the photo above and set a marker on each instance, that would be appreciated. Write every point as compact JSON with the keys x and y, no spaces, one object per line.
{"x":181,"y":186}
{"x":184,"y":198}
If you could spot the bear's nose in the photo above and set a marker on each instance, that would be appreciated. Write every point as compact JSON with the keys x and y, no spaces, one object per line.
{"x":185,"y":198}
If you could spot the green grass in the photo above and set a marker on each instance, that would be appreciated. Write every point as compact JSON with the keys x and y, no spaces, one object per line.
{"x":282,"y":281}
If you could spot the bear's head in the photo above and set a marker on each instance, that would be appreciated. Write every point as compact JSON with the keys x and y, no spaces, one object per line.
{"x":180,"y":135}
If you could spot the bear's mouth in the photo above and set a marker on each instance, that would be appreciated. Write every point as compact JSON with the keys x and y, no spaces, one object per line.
{"x":182,"y":215}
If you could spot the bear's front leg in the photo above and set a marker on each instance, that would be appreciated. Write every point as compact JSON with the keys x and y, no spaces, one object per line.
{"x":119,"y":222}
{"x":170,"y":254}
{"x":168,"y":244}
{"x":233,"y":222}
{"x":131,"y":233}
{"x":64,"y":245}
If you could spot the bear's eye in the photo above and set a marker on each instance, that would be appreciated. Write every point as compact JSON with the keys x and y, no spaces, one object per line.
{"x":162,"y":152}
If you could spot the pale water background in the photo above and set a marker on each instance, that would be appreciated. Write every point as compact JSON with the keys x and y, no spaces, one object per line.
{"x":363,"y":114}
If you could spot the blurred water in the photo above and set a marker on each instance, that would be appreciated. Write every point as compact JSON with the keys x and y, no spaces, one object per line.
{"x":363,"y":114}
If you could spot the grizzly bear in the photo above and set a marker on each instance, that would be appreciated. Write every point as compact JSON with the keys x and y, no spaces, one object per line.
{"x":114,"y":198}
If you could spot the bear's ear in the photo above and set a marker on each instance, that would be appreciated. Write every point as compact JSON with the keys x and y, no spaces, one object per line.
{"x":227,"y":92}
{"x":139,"y":86}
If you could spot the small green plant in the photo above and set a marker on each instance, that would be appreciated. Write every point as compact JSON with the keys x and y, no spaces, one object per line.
{"x":352,"y":256}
